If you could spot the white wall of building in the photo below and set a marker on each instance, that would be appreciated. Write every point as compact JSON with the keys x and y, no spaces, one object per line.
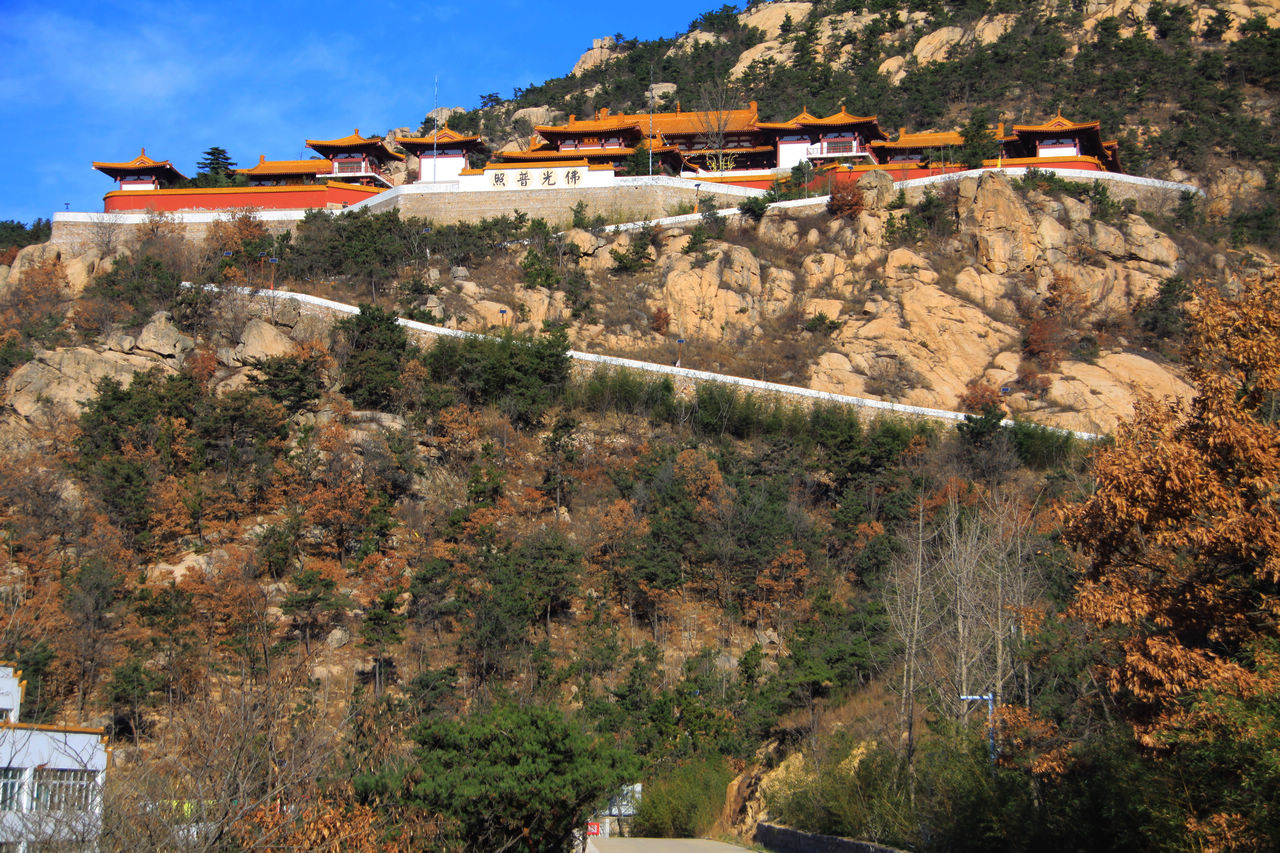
{"x":440,"y":167}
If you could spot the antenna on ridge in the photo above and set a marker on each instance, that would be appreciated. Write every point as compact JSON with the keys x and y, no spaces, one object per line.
{"x":649,"y":144}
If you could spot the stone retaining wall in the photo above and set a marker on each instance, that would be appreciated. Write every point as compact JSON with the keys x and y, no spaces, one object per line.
{"x":106,"y":232}
{"x":780,"y":839}
{"x":626,"y":203}
{"x":682,"y":377}
{"x":633,"y":199}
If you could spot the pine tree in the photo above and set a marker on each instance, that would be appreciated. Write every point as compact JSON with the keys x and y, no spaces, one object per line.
{"x":216,"y":168}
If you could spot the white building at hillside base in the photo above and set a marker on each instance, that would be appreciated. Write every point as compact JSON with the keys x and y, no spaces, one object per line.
{"x":51,"y":780}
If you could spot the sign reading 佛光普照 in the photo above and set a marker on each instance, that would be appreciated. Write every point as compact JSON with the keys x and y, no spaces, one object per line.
{"x":536,"y":178}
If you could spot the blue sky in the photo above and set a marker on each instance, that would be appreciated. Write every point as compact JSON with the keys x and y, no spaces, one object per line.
{"x":86,"y":81}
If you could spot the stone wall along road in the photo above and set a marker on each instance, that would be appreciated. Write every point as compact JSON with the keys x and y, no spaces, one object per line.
{"x":658,"y":845}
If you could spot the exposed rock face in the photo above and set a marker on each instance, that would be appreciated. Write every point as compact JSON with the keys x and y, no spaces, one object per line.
{"x":1232,"y":186}
{"x":920,"y":328}
{"x":895,"y":68}
{"x":537,"y":115}
{"x":161,"y":337}
{"x":79,"y":269}
{"x":877,"y":190}
{"x":60,"y":381}
{"x":261,"y":339}
{"x":443,"y":114}
{"x":990,"y":28}
{"x":692,"y":39}
{"x":602,"y":50}
{"x":934,"y":46}
{"x":658,"y":91}
{"x":769,"y":17}
{"x":776,"y":51}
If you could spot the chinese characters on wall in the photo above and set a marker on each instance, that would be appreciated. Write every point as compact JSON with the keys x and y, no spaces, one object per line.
{"x":529,"y":178}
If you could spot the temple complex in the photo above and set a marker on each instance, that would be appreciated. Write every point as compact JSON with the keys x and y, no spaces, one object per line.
{"x":730,"y":146}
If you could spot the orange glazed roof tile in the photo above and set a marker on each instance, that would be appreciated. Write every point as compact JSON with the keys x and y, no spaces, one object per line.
{"x":575,"y":154}
{"x":841,"y":117}
{"x":677,"y":123}
{"x":546,"y":164}
{"x":288,"y":167}
{"x":755,"y":149}
{"x":436,"y":137}
{"x":927,"y":139}
{"x":353,"y":142}
{"x":142,"y":164}
{"x":1057,"y":123}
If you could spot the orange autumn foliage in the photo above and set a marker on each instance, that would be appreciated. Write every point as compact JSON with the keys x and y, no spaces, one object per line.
{"x":1182,"y":534}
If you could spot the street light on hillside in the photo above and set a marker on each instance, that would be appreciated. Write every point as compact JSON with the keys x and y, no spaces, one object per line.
{"x":990,"y":699}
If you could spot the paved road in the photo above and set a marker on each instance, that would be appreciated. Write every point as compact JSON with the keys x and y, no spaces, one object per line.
{"x":659,"y":845}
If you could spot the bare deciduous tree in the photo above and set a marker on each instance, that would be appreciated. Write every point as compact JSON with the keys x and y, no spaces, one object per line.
{"x":715,"y":115}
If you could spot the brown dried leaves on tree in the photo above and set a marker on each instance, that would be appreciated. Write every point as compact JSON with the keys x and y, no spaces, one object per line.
{"x":1182,"y":533}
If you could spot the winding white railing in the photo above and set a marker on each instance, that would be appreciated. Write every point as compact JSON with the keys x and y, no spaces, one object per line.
{"x":795,"y":391}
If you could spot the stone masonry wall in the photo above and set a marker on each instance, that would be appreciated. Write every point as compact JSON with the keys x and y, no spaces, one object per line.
{"x":615,"y":204}
{"x":780,"y":839}
{"x":104,"y":231}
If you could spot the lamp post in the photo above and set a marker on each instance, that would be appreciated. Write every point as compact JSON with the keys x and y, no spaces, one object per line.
{"x":990,"y":699}
{"x":697,"y":188}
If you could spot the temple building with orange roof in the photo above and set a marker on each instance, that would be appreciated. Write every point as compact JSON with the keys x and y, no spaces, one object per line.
{"x":141,"y":173}
{"x":678,"y":141}
{"x":287,"y":173}
{"x":357,"y":159}
{"x":821,"y":141}
{"x":1062,"y":138}
{"x":443,"y":154}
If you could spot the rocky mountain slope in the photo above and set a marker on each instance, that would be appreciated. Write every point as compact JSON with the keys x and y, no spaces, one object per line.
{"x":880,"y":304}
{"x":988,"y":291}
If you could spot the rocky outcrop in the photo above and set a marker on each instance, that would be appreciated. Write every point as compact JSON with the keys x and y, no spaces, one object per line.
{"x":769,"y":17}
{"x":602,"y":50}
{"x":935,"y":46}
{"x":777,"y":52}
{"x":56,"y":383}
{"x":77,"y":268}
{"x":261,"y":339}
{"x":917,"y":325}
{"x":537,"y":115}
{"x":160,"y":337}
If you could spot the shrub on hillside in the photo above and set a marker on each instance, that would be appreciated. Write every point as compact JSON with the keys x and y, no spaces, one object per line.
{"x":846,"y":200}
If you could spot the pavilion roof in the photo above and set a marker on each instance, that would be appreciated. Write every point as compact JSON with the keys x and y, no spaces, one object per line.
{"x":288,"y":167}
{"x":141,"y":165}
{"x":836,"y":119}
{"x":926,"y":139}
{"x":1057,"y":125}
{"x":439,"y":136}
{"x":678,"y":123}
{"x":354,"y":142}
